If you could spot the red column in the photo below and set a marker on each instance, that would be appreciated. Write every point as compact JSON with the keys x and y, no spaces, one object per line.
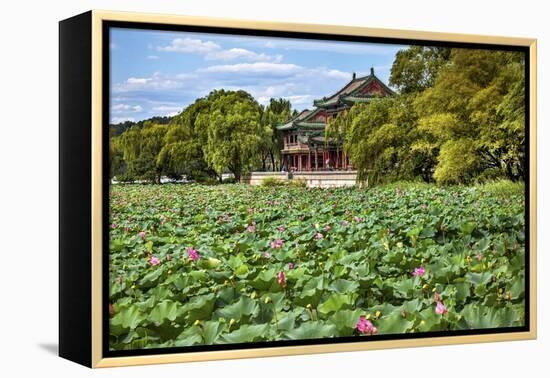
{"x":316,"y":160}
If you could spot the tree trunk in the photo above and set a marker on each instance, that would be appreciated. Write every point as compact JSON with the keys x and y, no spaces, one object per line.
{"x":273,"y":168}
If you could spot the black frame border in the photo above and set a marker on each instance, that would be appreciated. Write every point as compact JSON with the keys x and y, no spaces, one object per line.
{"x":107,"y":25}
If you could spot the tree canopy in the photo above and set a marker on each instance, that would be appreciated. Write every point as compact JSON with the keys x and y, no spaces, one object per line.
{"x":226,"y":131}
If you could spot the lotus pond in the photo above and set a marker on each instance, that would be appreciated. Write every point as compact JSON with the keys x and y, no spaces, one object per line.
{"x":193,"y":264}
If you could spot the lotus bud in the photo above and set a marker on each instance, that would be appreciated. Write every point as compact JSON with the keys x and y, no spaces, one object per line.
{"x":267,"y":300}
{"x":309,"y":306}
{"x":231,"y":322}
{"x":378,"y":314}
{"x":197,"y":323}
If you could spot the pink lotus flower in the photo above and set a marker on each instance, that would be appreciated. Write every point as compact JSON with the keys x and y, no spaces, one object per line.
{"x":478,"y":256}
{"x":440,"y":308}
{"x":365,"y":326}
{"x":142,"y":234}
{"x":114,"y":225}
{"x":327,"y":228}
{"x":357,"y":219}
{"x":277,"y":243}
{"x":193,"y":254}
{"x":419,"y":272}
{"x":424,"y":206}
{"x":154,"y":260}
{"x":318,"y":236}
{"x":345,"y":223}
{"x":281,"y":228}
{"x":266,"y":254}
{"x":251,"y":228}
{"x":291,"y":265}
{"x":281,"y":279}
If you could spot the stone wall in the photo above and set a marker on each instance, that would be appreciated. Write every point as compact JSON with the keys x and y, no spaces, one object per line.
{"x":319,"y":179}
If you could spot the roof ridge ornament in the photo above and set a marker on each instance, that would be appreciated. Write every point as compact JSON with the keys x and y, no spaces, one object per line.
{"x":372,"y":71}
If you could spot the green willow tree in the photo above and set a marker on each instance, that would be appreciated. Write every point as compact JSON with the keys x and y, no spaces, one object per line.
{"x":182,"y":153}
{"x":415,"y":68}
{"x":473,"y":117}
{"x":275,"y":113}
{"x":234,"y":132}
{"x":140,"y":148}
{"x":378,"y":138}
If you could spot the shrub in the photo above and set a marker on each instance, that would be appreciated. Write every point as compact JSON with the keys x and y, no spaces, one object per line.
{"x":502,"y":187}
{"x":272,"y":181}
{"x":207,"y":181}
{"x":298,"y":183}
{"x":404,"y":185}
{"x":229,"y":180}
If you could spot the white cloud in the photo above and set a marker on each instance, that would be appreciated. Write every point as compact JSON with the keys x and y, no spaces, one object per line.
{"x":300,"y":99}
{"x":258,"y":67}
{"x":113,"y":46}
{"x":336,"y":74}
{"x":238,"y":53}
{"x":138,"y":80}
{"x":167,"y":110}
{"x":163,"y":94}
{"x":354,"y":48}
{"x":213,"y":51}
{"x":190,"y":45}
{"x":125,"y":108}
{"x":116,"y":120}
{"x":155,"y":82}
{"x":152,"y":57}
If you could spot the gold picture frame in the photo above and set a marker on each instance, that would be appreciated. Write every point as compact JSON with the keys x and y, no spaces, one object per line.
{"x":91,"y":24}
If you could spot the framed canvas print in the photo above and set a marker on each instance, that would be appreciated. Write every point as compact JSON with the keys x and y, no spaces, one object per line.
{"x":234,"y":189}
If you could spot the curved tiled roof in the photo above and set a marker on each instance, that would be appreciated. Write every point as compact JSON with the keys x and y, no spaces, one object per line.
{"x":346,"y":96}
{"x":351,"y":91}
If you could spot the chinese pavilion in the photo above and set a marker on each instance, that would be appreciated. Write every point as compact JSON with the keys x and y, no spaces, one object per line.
{"x":305,"y":146}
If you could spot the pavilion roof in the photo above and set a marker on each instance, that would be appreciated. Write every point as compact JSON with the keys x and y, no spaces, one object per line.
{"x":291,"y":123}
{"x":351,"y":92}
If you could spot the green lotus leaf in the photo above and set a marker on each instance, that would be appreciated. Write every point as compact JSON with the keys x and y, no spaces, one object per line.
{"x":165,"y":310}
{"x":244,"y":307}
{"x":246,"y":334}
{"x":199,"y":307}
{"x":345,"y":321}
{"x":128,"y":317}
{"x":335,"y":302}
{"x":312,"y":330}
{"x":344,"y":286}
{"x":393,"y":323}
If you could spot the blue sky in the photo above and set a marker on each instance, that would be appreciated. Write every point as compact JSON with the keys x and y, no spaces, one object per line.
{"x":158,"y":73}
